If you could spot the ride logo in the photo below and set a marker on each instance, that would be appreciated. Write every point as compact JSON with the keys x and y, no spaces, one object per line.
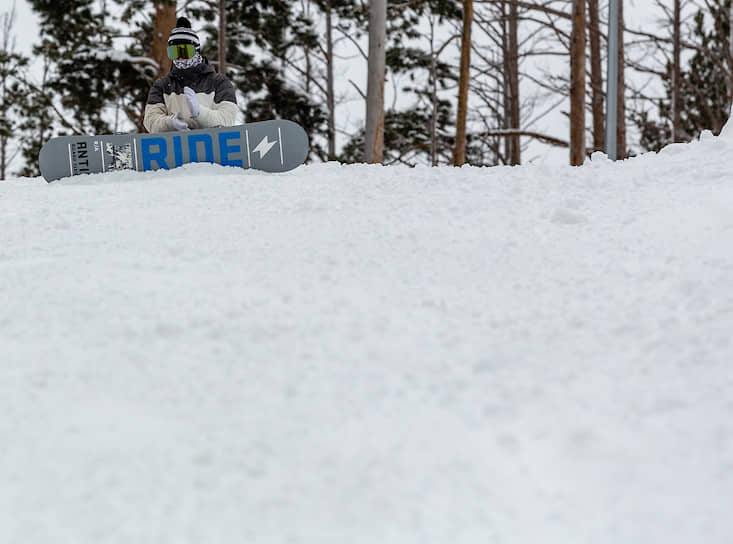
{"x":228,"y":148}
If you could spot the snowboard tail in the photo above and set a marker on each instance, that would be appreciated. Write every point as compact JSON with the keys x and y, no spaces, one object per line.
{"x":270,"y":146}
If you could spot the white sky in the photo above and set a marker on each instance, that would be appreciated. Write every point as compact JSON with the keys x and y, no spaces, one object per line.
{"x":638,"y":14}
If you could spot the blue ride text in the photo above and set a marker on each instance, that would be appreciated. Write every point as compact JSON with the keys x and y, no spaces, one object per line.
{"x":171,"y":151}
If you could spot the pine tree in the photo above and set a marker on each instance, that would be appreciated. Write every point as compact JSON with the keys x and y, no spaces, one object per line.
{"x":73,"y":34}
{"x":263,"y":42}
{"x":703,"y":85}
{"x":37,"y":116}
{"x":96,"y":68}
{"x":96,"y":72}
{"x":12,"y":65}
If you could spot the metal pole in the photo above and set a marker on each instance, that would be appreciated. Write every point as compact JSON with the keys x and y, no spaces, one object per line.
{"x":612,"y":80}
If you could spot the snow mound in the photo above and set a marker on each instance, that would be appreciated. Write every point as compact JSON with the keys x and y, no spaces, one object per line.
{"x":371,"y":354}
{"x":727,"y":132}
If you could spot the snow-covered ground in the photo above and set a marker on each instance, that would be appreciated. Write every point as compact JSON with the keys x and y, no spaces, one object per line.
{"x":367,"y":354}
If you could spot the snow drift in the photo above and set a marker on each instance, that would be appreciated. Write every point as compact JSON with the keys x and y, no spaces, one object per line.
{"x":371,"y":354}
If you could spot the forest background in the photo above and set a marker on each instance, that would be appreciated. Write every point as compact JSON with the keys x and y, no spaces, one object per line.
{"x":451,"y":82}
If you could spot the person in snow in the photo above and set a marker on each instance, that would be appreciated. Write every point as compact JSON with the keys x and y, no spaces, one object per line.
{"x":192,"y":95}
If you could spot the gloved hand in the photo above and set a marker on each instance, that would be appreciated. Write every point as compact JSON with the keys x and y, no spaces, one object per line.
{"x":193,"y":102}
{"x":178,"y":123}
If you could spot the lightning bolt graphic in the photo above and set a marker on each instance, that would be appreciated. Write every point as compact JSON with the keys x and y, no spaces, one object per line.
{"x":264,"y":147}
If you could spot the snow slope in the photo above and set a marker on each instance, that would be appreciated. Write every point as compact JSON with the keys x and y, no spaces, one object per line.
{"x":365,"y":354}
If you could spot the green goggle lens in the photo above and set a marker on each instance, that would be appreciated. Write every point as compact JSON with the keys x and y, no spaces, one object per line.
{"x":181,"y":51}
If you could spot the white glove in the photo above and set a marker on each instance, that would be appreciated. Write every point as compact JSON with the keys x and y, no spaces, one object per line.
{"x":193,"y":102}
{"x":178,"y":123}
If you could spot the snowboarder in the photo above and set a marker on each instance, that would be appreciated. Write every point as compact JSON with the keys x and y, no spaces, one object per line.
{"x":192,"y":95}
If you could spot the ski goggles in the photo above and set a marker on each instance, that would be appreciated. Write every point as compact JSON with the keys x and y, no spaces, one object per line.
{"x":181,"y":51}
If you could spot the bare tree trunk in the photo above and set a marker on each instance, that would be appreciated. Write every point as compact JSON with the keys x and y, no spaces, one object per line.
{"x":330,"y":95}
{"x":376,"y":67}
{"x":515,"y":154}
{"x":676,"y":74}
{"x":3,"y":138}
{"x":621,"y":116}
{"x":505,"y":92}
{"x":3,"y":151}
{"x":7,"y":24}
{"x":577,"y":84}
{"x":459,"y":154}
{"x":44,"y":125}
{"x":596,"y":77}
{"x":433,"y":97}
{"x":165,"y":21}
{"x":222,"y":37}
{"x":308,"y":70}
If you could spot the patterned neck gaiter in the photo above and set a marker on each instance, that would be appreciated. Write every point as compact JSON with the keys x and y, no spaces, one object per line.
{"x":188,"y":63}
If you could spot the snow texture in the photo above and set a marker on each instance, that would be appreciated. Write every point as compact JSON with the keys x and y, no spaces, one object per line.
{"x":366,"y":354}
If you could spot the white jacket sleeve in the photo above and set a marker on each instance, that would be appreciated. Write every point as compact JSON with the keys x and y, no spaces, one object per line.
{"x":157,"y":118}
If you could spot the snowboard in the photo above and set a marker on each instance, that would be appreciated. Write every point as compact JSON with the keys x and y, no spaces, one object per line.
{"x":270,"y":146}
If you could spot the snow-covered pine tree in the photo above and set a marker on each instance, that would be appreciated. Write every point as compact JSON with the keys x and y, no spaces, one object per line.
{"x":37,"y":116}
{"x":12,"y":90}
{"x":74,"y":38}
{"x":704,"y":85}
{"x":100,"y":63}
{"x":265,"y":44}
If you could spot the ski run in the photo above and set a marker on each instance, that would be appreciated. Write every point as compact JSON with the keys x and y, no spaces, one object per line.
{"x":368,"y":354}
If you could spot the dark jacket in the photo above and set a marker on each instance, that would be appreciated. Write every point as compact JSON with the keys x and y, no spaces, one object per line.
{"x":215,"y":92}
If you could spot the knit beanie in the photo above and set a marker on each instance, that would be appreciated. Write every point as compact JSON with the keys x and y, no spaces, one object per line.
{"x":183,"y":34}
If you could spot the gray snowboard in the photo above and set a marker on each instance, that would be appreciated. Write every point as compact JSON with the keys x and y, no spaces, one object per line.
{"x":271,"y":146}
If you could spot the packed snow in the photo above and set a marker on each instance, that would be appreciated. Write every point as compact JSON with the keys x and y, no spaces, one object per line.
{"x":368,"y":354}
